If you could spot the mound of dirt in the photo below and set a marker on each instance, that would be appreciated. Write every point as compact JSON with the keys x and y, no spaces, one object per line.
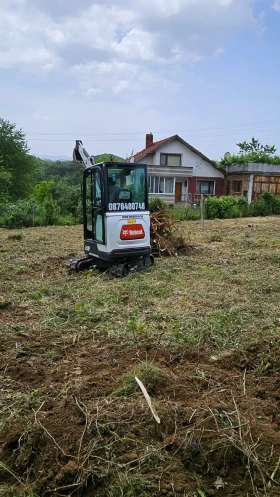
{"x":68,"y":428}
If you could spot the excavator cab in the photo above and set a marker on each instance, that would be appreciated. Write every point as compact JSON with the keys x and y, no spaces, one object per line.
{"x":115,"y":216}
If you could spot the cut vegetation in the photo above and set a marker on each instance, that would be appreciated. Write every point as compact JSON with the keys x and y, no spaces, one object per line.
{"x":201,"y":332}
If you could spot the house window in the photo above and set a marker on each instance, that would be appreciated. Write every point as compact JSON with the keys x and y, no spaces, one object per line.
{"x":162,"y":184}
{"x":237,"y":186}
{"x":205,"y":187}
{"x":170,"y":160}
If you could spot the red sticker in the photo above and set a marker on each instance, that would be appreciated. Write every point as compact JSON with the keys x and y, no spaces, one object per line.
{"x":132,"y":232}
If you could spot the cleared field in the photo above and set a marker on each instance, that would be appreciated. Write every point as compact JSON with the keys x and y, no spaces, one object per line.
{"x":201,"y":331}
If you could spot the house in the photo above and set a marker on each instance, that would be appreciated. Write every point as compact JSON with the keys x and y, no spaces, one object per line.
{"x":252,"y":179}
{"x":177,"y":171}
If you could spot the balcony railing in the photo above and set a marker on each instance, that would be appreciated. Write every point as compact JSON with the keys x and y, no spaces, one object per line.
{"x":175,"y":171}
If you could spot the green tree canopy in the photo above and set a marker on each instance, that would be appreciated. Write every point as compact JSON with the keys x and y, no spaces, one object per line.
{"x":252,"y":151}
{"x":255,"y":147}
{"x":17,"y":166}
{"x":107,"y":158}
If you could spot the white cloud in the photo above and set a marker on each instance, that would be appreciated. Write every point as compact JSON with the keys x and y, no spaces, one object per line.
{"x":276,"y":5}
{"x":121,"y":87}
{"x":219,"y":52}
{"x":138,"y":45}
{"x":93,"y":91}
{"x":132,"y":30}
{"x":137,"y":50}
{"x":48,"y":67}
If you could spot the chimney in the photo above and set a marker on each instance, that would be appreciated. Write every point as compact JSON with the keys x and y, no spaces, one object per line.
{"x":149,"y":140}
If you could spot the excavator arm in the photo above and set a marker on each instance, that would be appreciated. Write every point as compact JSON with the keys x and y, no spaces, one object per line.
{"x":81,"y":155}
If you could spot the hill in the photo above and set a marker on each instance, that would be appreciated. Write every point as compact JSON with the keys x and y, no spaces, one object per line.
{"x":62,"y":158}
{"x":54,"y":158}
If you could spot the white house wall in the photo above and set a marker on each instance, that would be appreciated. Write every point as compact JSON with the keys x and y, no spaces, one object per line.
{"x":201,"y":167}
{"x":148,"y":159}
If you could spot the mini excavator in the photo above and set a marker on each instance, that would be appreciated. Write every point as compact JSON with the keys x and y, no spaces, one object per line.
{"x":116,"y":218}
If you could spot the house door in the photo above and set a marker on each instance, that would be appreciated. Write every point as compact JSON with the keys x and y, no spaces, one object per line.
{"x":178,"y":192}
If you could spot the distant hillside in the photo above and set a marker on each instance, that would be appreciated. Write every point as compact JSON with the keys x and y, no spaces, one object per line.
{"x":54,"y":158}
{"x":63,"y":158}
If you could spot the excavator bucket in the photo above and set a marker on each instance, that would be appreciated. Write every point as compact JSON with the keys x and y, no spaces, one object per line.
{"x":76,"y":154}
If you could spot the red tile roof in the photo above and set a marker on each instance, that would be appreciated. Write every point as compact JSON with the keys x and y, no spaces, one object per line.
{"x":153,"y":148}
{"x":158,"y":144}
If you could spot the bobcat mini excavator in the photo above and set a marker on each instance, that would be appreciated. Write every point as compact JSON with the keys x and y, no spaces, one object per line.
{"x":115,"y":216}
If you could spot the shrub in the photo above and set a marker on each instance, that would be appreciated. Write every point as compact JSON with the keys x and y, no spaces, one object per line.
{"x":243,"y":206}
{"x":66,"y":220}
{"x":276,"y":205}
{"x":50,"y":212}
{"x":219,"y":208}
{"x":234,"y":212}
{"x":17,"y":215}
{"x":258,"y":208}
{"x":156,"y":204}
{"x":23,"y":213}
{"x":232,"y":207}
{"x":272,"y":202}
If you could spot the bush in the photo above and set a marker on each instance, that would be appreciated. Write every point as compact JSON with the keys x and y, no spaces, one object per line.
{"x":276,"y":206}
{"x":17,"y":215}
{"x":220,"y":208}
{"x":50,"y":212}
{"x":232,"y":207}
{"x":156,"y":204}
{"x":66,"y":221}
{"x":234,"y":212}
{"x":259,"y":208}
{"x":272,"y":202}
{"x":23,"y":213}
{"x":243,"y":206}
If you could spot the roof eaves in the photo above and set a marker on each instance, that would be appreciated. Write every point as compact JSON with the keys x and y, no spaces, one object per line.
{"x":160,"y":143}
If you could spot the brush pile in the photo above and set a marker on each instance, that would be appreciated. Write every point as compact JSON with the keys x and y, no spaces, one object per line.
{"x":164,"y":240}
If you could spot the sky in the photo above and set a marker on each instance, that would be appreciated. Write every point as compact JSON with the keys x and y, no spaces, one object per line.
{"x":109,"y":72}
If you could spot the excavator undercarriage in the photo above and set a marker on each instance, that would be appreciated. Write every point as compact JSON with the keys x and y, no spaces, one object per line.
{"x":118,"y":270}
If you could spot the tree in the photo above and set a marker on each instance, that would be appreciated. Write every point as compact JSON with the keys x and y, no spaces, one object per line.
{"x":252,"y":151}
{"x":255,"y":147}
{"x":5,"y":182}
{"x":17,"y":165}
{"x":43,"y":191}
{"x":107,"y":158}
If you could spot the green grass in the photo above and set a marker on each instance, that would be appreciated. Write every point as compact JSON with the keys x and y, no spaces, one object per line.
{"x":147,"y":372}
{"x":224,"y":294}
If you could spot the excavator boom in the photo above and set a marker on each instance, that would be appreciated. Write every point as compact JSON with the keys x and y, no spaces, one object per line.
{"x":81,"y":155}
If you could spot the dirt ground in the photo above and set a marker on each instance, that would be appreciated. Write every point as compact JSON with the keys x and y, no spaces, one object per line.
{"x":201,"y":332}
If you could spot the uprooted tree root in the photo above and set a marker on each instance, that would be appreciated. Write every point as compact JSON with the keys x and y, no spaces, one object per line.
{"x":164,"y":240}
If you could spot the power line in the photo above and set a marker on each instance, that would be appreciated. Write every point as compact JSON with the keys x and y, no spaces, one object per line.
{"x":124,"y":139}
{"x":239,"y":126}
{"x":87,"y":140}
{"x":237,"y":132}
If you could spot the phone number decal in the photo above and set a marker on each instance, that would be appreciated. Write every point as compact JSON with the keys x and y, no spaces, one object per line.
{"x":135,"y":206}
